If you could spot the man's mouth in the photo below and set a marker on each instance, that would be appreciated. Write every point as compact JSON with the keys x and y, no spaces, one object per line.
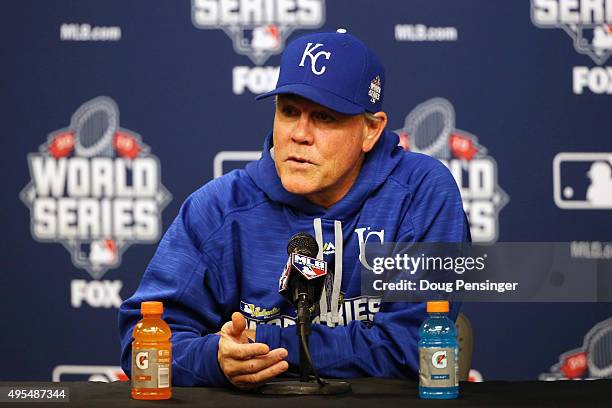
{"x":298,"y":160}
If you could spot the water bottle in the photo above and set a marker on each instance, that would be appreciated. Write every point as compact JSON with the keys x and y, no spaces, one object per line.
{"x":438,"y":368}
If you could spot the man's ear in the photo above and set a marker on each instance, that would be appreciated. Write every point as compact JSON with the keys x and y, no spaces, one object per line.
{"x":372,"y":129}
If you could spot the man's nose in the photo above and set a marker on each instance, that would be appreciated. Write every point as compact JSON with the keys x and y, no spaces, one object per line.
{"x":302,"y":133}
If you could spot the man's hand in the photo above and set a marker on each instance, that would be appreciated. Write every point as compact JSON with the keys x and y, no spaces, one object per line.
{"x":247,"y":365}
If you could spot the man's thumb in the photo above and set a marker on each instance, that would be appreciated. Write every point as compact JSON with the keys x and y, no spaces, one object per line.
{"x":238,"y":323}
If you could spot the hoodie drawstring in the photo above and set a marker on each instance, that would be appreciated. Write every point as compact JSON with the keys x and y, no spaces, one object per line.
{"x":331,"y":316}
{"x":338,"y":242}
{"x":319,"y":237}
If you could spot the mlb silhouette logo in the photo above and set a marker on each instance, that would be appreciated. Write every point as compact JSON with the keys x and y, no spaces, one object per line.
{"x":103,"y":252}
{"x":266,"y":38}
{"x":597,"y":39}
{"x":583,"y":181}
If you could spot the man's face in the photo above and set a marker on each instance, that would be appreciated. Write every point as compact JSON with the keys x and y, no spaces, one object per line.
{"x":317,"y":152}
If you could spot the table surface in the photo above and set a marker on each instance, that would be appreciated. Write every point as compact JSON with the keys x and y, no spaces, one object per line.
{"x":367,"y":392}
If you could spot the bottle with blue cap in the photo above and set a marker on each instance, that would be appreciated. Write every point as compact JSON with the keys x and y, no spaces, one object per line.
{"x":438,"y":354}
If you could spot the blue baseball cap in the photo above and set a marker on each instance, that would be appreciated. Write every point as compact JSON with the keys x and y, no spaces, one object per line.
{"x":336,"y":70}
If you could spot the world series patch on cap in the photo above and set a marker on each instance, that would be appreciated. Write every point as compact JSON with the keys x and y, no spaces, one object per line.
{"x":336,"y":70}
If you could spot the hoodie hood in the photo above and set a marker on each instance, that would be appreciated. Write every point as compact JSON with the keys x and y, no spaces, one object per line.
{"x":377,"y":166}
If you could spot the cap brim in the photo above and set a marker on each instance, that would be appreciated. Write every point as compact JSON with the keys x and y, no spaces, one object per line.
{"x":320,"y":96}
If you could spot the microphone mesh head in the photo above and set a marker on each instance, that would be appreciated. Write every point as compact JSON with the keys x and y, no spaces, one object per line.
{"x":303,"y":243}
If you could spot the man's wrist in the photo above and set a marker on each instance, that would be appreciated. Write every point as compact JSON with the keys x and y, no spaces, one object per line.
{"x":211,"y":366}
{"x":269,"y":334}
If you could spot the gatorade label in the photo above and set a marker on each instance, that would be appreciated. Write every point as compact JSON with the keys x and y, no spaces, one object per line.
{"x":151,"y":368}
{"x":438,"y":367}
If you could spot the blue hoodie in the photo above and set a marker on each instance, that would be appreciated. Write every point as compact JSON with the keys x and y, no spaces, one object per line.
{"x":226,"y":249}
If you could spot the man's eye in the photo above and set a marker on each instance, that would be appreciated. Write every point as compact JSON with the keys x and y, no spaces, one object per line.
{"x":289,"y":110}
{"x":324,"y":117}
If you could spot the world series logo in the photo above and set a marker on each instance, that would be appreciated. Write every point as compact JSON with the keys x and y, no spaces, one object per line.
{"x":589,"y":24}
{"x":258,"y":28}
{"x":95,"y":188}
{"x":430,"y":129}
{"x":592,"y":360}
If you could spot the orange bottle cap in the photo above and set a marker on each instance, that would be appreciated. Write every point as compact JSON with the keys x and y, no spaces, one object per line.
{"x":151,"y":308}
{"x":437,"y":306}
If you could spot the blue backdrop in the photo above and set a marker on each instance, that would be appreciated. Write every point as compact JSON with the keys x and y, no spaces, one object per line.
{"x":510,"y":84}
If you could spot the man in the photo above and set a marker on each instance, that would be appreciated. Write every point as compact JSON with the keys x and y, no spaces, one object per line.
{"x":329,"y":168}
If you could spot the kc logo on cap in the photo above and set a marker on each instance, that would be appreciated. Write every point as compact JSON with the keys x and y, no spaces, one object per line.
{"x":313,"y":58}
{"x":336,"y":70}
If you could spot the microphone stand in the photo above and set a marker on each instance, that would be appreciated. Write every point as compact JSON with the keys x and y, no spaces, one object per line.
{"x":308,"y":384}
{"x":303,"y":331}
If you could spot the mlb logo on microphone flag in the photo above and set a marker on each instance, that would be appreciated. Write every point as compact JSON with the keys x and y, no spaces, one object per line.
{"x":310,"y":268}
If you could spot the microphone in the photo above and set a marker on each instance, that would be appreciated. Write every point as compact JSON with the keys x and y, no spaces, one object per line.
{"x":301,"y":283}
{"x":304,"y":275}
